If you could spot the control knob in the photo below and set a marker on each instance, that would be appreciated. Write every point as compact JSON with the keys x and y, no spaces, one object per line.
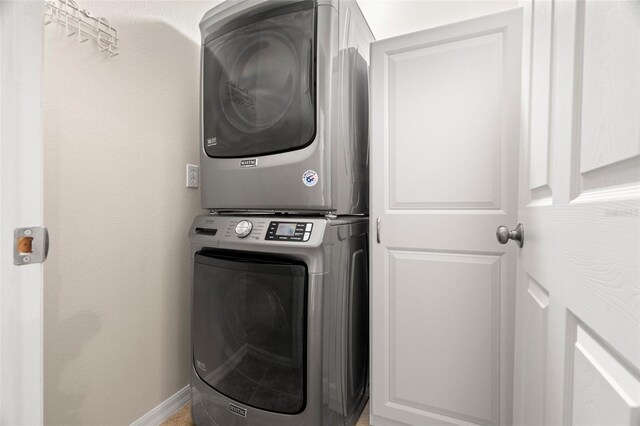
{"x":243,"y":228}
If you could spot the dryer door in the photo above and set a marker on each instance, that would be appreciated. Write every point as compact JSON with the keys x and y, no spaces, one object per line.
{"x":258,"y":82}
{"x":249,"y":328}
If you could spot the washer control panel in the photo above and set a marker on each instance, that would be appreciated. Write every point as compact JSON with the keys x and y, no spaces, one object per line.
{"x":289,"y":231}
{"x":243,"y":228}
{"x":218,"y":230}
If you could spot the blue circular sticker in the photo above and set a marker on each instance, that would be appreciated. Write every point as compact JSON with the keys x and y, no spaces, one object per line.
{"x":310,"y":178}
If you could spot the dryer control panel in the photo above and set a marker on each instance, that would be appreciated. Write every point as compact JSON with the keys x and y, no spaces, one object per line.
{"x":258,"y":231}
{"x":289,"y":231}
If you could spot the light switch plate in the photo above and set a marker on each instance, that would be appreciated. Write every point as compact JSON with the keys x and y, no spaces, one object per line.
{"x":193,"y":176}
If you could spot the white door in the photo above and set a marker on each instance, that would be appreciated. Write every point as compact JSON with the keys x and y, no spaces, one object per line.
{"x":444,"y":136}
{"x":21,"y":38}
{"x":578,"y":294}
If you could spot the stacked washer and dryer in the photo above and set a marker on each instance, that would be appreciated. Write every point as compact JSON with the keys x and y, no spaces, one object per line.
{"x":280,"y":318}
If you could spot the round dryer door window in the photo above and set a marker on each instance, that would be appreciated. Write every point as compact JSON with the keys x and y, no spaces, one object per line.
{"x":252,"y":98}
{"x":249,"y":328}
{"x":258,"y":83}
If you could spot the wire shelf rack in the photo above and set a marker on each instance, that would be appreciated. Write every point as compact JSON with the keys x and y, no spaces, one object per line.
{"x":82,"y":24}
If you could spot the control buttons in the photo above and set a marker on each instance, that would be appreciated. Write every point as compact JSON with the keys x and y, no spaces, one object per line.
{"x":243,"y":228}
{"x":289,"y":231}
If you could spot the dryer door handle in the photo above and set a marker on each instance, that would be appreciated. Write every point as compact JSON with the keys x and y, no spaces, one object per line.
{"x":378,"y":230}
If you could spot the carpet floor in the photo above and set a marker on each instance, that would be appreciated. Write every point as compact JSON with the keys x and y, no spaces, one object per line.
{"x":182,"y":417}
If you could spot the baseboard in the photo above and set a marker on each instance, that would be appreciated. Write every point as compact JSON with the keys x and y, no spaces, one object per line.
{"x":166,"y":408}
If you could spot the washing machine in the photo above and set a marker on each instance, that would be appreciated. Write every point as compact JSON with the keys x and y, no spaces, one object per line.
{"x":279,"y":320}
{"x":284,"y":107}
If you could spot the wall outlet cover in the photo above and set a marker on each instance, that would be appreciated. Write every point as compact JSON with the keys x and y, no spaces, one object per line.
{"x":193,"y":176}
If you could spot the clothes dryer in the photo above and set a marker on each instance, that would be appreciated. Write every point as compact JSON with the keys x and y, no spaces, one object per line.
{"x":279,"y":321}
{"x":284,"y":113}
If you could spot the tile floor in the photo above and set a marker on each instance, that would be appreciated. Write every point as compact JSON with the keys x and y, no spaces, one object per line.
{"x":183,"y":417}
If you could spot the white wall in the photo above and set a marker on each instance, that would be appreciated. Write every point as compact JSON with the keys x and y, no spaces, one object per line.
{"x":389,"y":18}
{"x":118,"y":133}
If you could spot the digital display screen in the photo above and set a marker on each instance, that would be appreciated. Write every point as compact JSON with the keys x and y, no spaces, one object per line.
{"x":286,"y":229}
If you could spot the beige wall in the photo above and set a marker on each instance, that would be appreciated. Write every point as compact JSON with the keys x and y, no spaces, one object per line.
{"x":118,"y":133}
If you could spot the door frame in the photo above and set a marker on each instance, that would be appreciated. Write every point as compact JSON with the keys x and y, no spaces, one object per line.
{"x":21,"y":205}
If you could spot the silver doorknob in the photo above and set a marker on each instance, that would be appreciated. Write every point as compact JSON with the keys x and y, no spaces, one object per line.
{"x":504,"y":235}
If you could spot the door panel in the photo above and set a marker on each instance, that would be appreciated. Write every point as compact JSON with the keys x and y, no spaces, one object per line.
{"x":581,"y":365}
{"x":540,"y":93}
{"x":459,"y":81}
{"x":605,"y":391}
{"x":610,"y":48}
{"x":534,"y":334}
{"x":606,"y":146}
{"x":444,"y":177}
{"x":463,"y":292}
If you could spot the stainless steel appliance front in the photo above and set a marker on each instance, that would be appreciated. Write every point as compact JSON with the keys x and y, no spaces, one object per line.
{"x":279,"y":321}
{"x":284,"y":114}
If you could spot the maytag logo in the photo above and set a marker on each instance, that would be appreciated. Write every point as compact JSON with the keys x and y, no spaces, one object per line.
{"x":242,"y":412}
{"x":253,"y":162}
